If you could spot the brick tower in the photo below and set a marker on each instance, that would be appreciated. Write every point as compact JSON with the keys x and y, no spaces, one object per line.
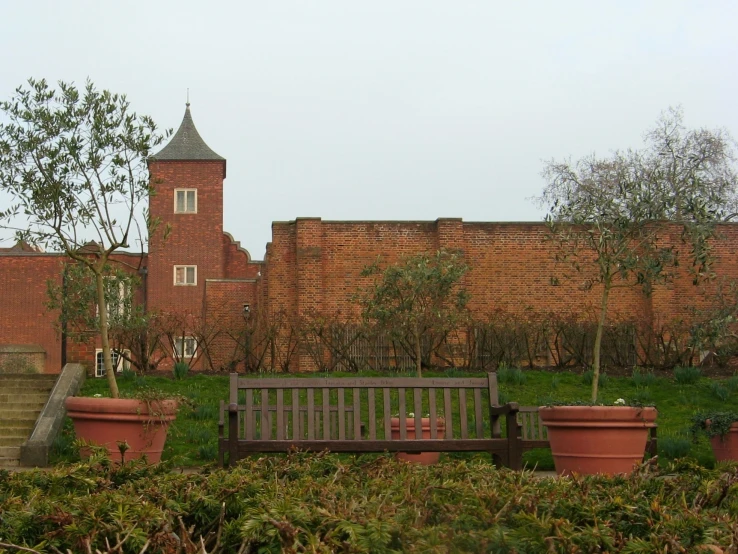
{"x":188,"y":201}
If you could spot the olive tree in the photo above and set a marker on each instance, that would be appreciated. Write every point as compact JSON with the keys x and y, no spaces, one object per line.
{"x":74,"y":164}
{"x":608,"y":217}
{"x":419,"y":295}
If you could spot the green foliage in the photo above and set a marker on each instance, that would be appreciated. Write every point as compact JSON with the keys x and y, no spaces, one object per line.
{"x":419,"y":297}
{"x":719,"y":391}
{"x":180,"y":370}
{"x":642,"y":396}
{"x":643,"y":378}
{"x":673,"y":446}
{"x":588,"y":377}
{"x":510,"y":375}
{"x":688,"y":375}
{"x":310,"y":502}
{"x":713,"y":424}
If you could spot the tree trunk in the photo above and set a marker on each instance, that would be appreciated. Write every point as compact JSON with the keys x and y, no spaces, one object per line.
{"x":598,"y":341}
{"x":102,"y":307}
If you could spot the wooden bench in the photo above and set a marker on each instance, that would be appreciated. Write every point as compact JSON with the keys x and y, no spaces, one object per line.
{"x":277,"y":415}
{"x":355,"y":415}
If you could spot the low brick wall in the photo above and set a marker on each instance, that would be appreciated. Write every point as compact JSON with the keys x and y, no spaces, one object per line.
{"x":22,"y":358}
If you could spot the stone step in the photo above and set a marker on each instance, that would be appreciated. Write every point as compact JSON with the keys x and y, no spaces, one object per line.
{"x":13,"y":441}
{"x":7,"y":397}
{"x":20,"y":406}
{"x":10,"y":417}
{"x":28,"y":377}
{"x":24,"y":388}
{"x":43,"y":381}
{"x":16,"y":430}
{"x":10,"y":452}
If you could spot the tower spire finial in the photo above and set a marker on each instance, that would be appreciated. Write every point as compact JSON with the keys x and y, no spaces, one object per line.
{"x":188,"y":98}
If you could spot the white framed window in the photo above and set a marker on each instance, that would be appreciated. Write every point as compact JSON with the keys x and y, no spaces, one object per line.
{"x":119,"y":362}
{"x":185,"y":275}
{"x":185,"y":201}
{"x":116,"y":297}
{"x":185,"y":347}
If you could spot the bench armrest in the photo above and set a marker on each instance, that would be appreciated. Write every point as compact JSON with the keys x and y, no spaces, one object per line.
{"x":504,"y":409}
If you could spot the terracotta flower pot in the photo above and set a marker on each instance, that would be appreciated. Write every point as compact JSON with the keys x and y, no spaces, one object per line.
{"x":597,"y":439}
{"x":109,"y":421}
{"x":726,"y":447}
{"x":423,"y":458}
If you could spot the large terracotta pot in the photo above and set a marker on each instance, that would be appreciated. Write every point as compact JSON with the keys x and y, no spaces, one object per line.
{"x":109,"y":421}
{"x":423,"y":458}
{"x":597,"y":439}
{"x":726,"y":447}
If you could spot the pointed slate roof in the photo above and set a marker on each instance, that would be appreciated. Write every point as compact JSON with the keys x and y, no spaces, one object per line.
{"x":187,"y":144}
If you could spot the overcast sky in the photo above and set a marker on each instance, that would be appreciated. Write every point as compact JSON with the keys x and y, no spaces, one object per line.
{"x":408,"y":110}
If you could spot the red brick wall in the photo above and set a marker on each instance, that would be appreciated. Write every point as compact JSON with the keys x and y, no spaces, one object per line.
{"x":24,"y":319}
{"x":226,"y":321}
{"x":316,"y":265}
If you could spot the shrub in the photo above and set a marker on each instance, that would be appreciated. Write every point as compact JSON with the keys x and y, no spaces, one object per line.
{"x":180,"y":370}
{"x":674,"y":445}
{"x":642,"y":396}
{"x":205,"y":412}
{"x":688,"y":375}
{"x":510,"y":375}
{"x":643,"y":378}
{"x":713,"y":424}
{"x":587,"y":377}
{"x":364,"y":504}
{"x":719,"y":391}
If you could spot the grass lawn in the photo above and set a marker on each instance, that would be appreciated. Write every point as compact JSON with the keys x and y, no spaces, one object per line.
{"x":678,"y":395}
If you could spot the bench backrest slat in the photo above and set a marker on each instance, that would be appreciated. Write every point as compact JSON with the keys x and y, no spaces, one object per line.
{"x":357,"y":415}
{"x":310,"y":414}
{"x":341,"y":415}
{"x":265,"y":426}
{"x":387,"y":415}
{"x":432,"y":413}
{"x":447,"y":410}
{"x":478,"y":413}
{"x":248,"y":418}
{"x":280,"y":414}
{"x":462,"y":414}
{"x":372,"y":415}
{"x":403,"y":410}
{"x":418,"y":410}
{"x":326,"y":414}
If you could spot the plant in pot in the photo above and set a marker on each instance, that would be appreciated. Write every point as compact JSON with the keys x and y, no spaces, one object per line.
{"x":610,"y":223}
{"x":417,"y":302}
{"x":74,"y":164}
{"x":721,"y":428}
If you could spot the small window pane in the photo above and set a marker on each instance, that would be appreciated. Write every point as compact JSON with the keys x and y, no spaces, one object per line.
{"x":190,"y":275}
{"x":190,"y":200}
{"x":180,"y":200}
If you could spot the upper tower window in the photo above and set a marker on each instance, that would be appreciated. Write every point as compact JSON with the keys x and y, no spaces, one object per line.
{"x":185,"y":201}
